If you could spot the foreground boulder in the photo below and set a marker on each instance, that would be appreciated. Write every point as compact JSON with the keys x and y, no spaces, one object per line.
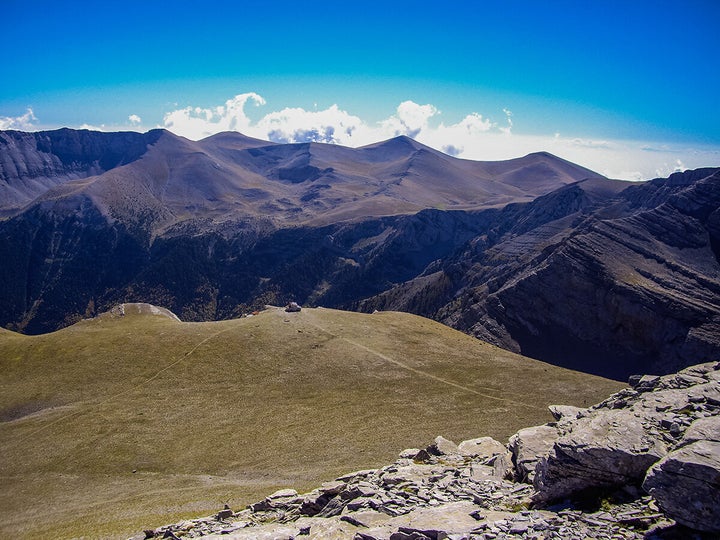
{"x":528,"y":446}
{"x":686,"y":485}
{"x":614,"y":443}
{"x":599,"y":451}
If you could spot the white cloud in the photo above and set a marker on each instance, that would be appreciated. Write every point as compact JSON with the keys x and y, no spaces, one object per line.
{"x":23,"y":122}
{"x":197,"y":123}
{"x":452,"y":150}
{"x":410,"y":119}
{"x":92,"y":127}
{"x":292,"y":125}
{"x":667,"y":169}
{"x":589,"y":143}
{"x":460,"y":138}
{"x":508,"y":116}
{"x":135,"y":120}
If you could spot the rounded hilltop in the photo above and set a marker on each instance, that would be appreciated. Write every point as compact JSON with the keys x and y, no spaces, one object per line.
{"x":137,"y":308}
{"x":134,"y":413}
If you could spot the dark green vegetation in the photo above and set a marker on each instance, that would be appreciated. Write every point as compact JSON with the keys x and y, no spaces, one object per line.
{"x":536,"y":255}
{"x":119,"y":423}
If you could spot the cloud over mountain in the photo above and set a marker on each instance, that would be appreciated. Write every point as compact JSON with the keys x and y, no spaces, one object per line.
{"x":198,"y":122}
{"x":24,"y":122}
{"x":473,"y":137}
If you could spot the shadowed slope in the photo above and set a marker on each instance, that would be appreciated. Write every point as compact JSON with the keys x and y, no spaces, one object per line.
{"x":123,"y":422}
{"x":32,"y":163}
{"x":616,"y":286}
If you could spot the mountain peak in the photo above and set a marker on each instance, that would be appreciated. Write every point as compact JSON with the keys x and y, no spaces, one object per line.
{"x":543,"y":154}
{"x":235,"y":140}
{"x":397,"y":147}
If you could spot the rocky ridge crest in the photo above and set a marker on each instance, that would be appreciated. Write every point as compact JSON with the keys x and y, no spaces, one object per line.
{"x":645,"y":463}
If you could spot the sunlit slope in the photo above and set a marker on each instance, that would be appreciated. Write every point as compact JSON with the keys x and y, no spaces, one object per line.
{"x":120,"y":423}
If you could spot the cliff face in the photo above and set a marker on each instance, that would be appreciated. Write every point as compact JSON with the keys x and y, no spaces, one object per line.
{"x":32,"y":163}
{"x":614,"y":287}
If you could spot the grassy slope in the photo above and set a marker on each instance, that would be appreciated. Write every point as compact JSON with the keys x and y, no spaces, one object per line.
{"x":225,"y":412}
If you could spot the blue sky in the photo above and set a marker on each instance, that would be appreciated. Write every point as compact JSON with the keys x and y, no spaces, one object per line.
{"x":643,"y":74}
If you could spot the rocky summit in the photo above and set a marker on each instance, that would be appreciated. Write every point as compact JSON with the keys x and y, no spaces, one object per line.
{"x":644,"y":463}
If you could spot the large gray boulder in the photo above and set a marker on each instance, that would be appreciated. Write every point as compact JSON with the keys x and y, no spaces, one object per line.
{"x":481,"y":447}
{"x":614,"y":443}
{"x":443,"y":447}
{"x":686,"y":485}
{"x":528,"y":446}
{"x":611,"y":449}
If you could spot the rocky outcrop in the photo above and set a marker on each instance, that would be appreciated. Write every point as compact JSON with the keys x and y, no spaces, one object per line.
{"x":644,"y":463}
{"x":422,"y":498}
{"x":600,"y":451}
{"x":686,"y":485}
{"x":616,"y":442}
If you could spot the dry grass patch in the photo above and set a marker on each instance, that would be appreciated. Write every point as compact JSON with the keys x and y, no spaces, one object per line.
{"x":114,"y":425}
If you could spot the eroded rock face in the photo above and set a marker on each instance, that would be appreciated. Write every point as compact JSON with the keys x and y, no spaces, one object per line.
{"x":600,"y":451}
{"x":686,"y":485}
{"x":616,"y":442}
{"x":528,"y":446}
{"x":703,"y":429}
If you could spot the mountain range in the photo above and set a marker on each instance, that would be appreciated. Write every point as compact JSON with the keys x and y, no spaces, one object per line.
{"x":535,"y":254}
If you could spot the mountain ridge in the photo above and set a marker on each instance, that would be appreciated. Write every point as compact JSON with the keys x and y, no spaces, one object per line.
{"x":217,"y":228}
{"x":232,"y":164}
